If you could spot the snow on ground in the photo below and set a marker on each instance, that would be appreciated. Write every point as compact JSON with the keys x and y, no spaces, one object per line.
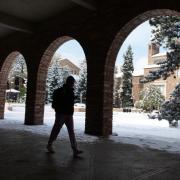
{"x":131,"y":128}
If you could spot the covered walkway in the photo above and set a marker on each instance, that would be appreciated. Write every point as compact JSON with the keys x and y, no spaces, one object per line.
{"x":23,"y":156}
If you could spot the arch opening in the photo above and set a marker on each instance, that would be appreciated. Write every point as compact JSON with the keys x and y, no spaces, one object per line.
{"x":13,"y":86}
{"x":62,"y":58}
{"x":112,"y":55}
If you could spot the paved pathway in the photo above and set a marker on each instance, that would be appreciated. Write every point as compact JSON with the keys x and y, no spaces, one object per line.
{"x":23,"y":157}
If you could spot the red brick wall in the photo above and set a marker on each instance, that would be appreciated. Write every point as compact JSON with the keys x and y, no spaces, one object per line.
{"x":137,"y":88}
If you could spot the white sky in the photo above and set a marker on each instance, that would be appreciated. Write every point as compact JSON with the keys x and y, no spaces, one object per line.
{"x":138,"y":39}
{"x":73,"y":51}
{"x":132,"y":128}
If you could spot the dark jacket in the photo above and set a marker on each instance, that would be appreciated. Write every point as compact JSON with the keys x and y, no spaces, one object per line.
{"x":63,"y":100}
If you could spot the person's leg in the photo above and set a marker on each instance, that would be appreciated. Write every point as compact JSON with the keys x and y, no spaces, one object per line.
{"x":59,"y":121}
{"x":70,"y":127}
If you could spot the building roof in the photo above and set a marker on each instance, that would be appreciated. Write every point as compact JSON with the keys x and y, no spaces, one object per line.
{"x":69,"y":62}
{"x":135,"y":73}
{"x":159,"y":54}
{"x":151,"y":66}
{"x":138,"y":73}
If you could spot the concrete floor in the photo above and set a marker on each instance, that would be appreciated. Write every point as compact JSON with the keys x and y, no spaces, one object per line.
{"x":23,"y":156}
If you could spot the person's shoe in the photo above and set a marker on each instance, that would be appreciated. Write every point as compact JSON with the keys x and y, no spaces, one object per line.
{"x":50,"y":149}
{"x":76,"y":153}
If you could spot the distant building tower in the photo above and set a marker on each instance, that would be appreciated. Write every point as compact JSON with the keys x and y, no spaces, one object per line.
{"x":152,"y":50}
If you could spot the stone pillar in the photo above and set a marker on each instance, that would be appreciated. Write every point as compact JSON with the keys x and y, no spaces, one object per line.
{"x":99,"y":95}
{"x":2,"y":98}
{"x":94,"y":109}
{"x":34,"y":112}
{"x":152,"y":50}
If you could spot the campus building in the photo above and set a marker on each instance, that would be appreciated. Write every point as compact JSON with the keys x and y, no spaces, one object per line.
{"x":69,"y":67}
{"x":166,"y":86}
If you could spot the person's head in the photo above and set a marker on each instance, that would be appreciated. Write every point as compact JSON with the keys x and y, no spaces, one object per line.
{"x":70,"y":81}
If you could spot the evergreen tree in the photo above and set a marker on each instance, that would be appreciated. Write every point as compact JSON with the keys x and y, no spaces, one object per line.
{"x":166,"y":33}
{"x":55,"y":79}
{"x":170,"y":110}
{"x":151,"y":98}
{"x":19,"y":67}
{"x":18,"y":74}
{"x":127,"y":70}
{"x":82,"y":83}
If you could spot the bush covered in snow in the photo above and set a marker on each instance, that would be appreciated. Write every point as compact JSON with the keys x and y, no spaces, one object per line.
{"x":138,"y":104}
{"x":150,"y":98}
{"x":170,"y":110}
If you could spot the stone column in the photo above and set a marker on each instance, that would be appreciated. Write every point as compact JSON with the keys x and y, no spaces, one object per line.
{"x":34,"y":112}
{"x":99,"y":93}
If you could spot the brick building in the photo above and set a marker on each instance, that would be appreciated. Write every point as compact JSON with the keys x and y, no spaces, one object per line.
{"x":137,"y":85}
{"x":69,"y":66}
{"x":166,"y":86}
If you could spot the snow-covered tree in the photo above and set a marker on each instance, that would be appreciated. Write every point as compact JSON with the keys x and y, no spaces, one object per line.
{"x":166,"y":33}
{"x":151,"y":98}
{"x":170,"y":110}
{"x":81,"y":86}
{"x":18,"y":76}
{"x":55,"y":78}
{"x":18,"y":68}
{"x":127,"y":70}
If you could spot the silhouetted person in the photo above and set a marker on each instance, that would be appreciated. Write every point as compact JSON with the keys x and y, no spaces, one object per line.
{"x":63,"y":104}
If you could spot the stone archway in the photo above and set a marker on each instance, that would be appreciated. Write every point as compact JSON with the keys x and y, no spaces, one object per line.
{"x":41,"y":77}
{"x":4,"y":72}
{"x":111,"y":58}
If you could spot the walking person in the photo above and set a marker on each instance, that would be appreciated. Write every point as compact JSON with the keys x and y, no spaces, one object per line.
{"x":63,"y":104}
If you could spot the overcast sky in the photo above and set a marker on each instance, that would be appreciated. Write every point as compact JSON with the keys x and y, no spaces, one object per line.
{"x":138,"y":39}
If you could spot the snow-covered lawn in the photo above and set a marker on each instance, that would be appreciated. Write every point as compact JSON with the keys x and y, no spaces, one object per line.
{"x":132,"y":128}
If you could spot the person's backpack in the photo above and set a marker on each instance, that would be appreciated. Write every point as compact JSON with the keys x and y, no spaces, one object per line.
{"x":53,"y":105}
{"x":57,"y":97}
{"x":54,"y":98}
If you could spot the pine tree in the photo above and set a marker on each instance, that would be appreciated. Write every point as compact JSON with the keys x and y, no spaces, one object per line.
{"x":127,"y":70}
{"x":170,"y":110}
{"x":18,"y":74}
{"x":55,"y":79}
{"x":82,"y":82}
{"x":166,"y":32}
{"x":19,"y":67}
